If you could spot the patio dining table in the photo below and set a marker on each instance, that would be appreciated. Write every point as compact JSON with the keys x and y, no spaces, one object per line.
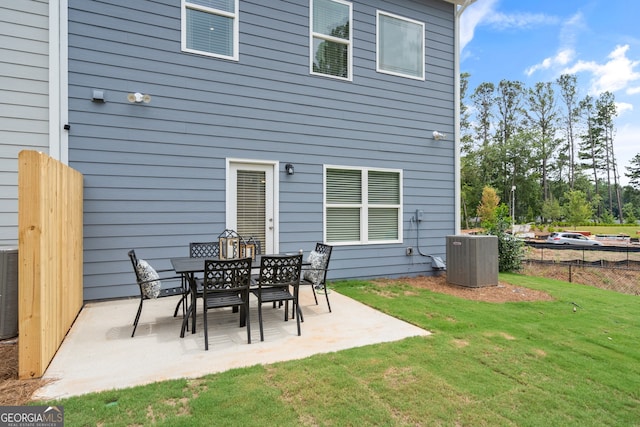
{"x":189,"y":267}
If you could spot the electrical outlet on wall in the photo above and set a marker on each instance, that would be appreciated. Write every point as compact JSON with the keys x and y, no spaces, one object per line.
{"x":409,"y":251}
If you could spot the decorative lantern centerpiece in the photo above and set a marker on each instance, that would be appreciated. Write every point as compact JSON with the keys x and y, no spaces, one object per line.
{"x":250,"y":248}
{"x":230,"y":244}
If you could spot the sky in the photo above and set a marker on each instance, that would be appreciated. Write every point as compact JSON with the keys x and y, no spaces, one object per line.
{"x":538,"y":40}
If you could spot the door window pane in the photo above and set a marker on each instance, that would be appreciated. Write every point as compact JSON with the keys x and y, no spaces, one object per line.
{"x":251,"y":207}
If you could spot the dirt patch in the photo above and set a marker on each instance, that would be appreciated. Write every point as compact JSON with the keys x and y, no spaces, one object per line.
{"x":503,"y":292}
{"x":14,"y":392}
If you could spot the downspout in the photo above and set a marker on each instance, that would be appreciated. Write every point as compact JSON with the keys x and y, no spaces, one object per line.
{"x":58,"y":81}
{"x":460,"y":8}
{"x":436,"y":262}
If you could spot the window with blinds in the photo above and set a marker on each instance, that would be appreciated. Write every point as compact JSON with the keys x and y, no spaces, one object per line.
{"x":400,"y":47}
{"x":210,"y":27}
{"x":251,"y":204}
{"x":331,"y":41}
{"x":362,"y":205}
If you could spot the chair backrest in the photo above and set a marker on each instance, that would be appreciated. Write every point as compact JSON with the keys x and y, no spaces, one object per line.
{"x":134,"y":263}
{"x":326,"y":250}
{"x":228,"y":274}
{"x":204,"y":249}
{"x":280,"y":270}
{"x":146,"y":277}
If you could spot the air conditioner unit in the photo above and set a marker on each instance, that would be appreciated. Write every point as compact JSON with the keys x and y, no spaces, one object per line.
{"x":472,"y":261}
{"x":8,"y":292}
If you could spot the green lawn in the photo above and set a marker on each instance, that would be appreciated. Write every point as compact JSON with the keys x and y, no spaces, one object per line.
{"x":629,"y":230}
{"x":512,"y":364}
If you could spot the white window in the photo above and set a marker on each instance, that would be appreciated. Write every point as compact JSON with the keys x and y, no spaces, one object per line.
{"x":400,"y":46}
{"x":362,"y":205}
{"x":331,"y":38}
{"x":210,"y":27}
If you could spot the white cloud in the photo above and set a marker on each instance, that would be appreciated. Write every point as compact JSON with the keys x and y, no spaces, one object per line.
{"x":570,"y":29}
{"x":566,"y":51}
{"x":484,"y":13}
{"x":503,"y":21}
{"x":633,"y":90}
{"x":623,"y":107}
{"x":472,"y":17}
{"x":614,"y":75}
{"x":562,"y":58}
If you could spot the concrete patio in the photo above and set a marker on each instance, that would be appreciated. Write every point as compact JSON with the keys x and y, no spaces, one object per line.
{"x":99,"y":354}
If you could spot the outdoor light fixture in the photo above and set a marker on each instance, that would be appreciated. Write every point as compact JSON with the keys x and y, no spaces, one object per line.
{"x":438,"y":135}
{"x":289,"y":169}
{"x":139,"y":97}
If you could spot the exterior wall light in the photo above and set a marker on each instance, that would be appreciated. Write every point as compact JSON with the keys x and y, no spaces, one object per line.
{"x":139,"y":97}
{"x":289,"y":169}
{"x":438,"y":135}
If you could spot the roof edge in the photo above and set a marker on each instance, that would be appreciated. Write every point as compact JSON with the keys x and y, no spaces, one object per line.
{"x":463,"y":3}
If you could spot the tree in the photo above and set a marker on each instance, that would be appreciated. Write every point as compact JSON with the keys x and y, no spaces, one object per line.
{"x":634,"y":172}
{"x":630,"y":213}
{"x":577,"y":209}
{"x":568,"y":92}
{"x":607,"y":111}
{"x":552,"y":210}
{"x":543,"y":116}
{"x":466,"y":138}
{"x":510,"y":114}
{"x":591,"y":149}
{"x":483,"y":102}
{"x":510,"y":136}
{"x":469,"y":170}
{"x":487,"y":207}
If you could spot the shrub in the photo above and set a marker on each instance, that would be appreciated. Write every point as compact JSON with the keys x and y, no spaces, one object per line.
{"x":510,"y":249}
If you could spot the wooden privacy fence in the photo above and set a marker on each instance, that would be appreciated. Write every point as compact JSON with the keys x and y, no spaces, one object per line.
{"x":50,"y":258}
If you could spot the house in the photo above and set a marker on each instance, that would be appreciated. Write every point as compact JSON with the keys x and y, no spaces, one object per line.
{"x":293,"y":121}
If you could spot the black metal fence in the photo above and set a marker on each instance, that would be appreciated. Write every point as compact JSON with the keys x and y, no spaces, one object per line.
{"x":616,"y":268}
{"x":603,"y":256}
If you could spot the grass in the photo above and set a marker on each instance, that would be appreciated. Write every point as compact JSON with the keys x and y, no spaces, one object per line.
{"x":486,"y":364}
{"x":629,"y":230}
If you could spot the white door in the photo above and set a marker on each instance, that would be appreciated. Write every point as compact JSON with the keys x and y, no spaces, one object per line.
{"x":251,"y":201}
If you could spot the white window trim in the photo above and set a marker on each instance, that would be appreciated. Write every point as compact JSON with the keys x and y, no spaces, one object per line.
{"x":236,"y":29}
{"x":422,"y":54}
{"x":363,"y":206}
{"x":349,"y":43}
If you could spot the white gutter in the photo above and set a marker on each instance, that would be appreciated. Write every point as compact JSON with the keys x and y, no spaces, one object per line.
{"x":460,"y":5}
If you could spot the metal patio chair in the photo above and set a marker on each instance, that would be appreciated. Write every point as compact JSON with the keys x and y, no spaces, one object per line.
{"x":226,"y":284}
{"x":278,"y":282}
{"x":315,"y":274}
{"x":149,"y":282}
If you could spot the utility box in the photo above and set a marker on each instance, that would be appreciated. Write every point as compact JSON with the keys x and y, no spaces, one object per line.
{"x":472,"y":261}
{"x":8,"y":292}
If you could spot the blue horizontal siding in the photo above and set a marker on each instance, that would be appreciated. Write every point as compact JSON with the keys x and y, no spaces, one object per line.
{"x":155,"y":173}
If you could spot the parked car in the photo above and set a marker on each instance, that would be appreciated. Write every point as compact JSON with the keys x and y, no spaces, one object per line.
{"x":565,"y":238}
